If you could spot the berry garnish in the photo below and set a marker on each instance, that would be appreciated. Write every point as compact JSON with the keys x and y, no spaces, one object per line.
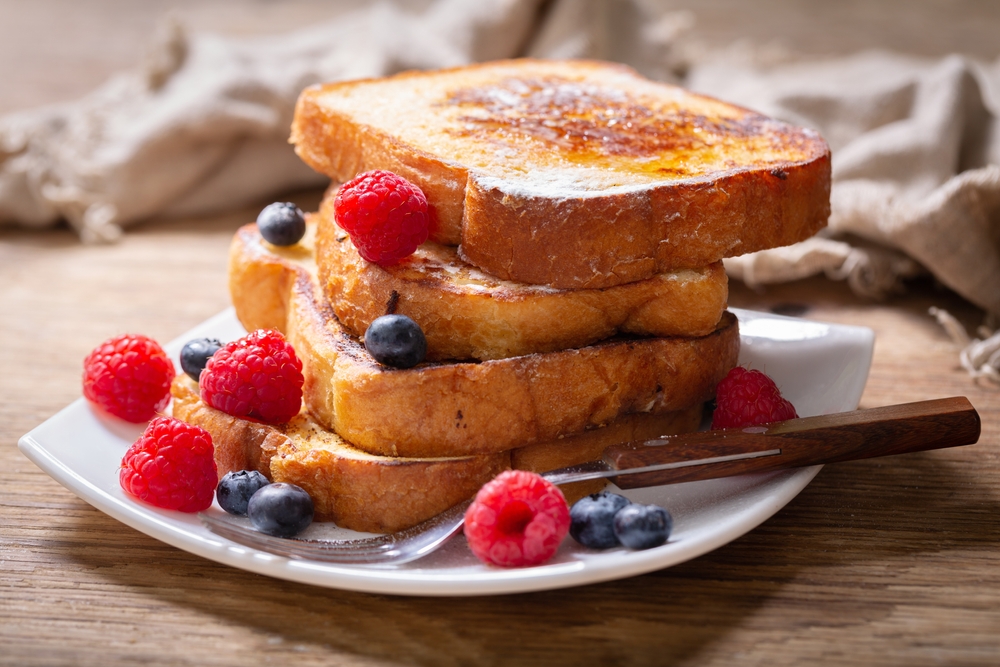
{"x":643,"y":526}
{"x":281,"y":223}
{"x":282,"y":510}
{"x":748,"y":398}
{"x":196,"y":354}
{"x":236,"y":488}
{"x":171,"y":465}
{"x":592,"y":519}
{"x":386,"y":215}
{"x":258,"y":376}
{"x":396,"y":340}
{"x":517,"y":519}
{"x":128,"y":376}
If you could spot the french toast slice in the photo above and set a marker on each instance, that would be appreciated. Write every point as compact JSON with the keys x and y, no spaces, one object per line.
{"x":457,"y":409}
{"x":467,"y":314}
{"x":574,"y":174}
{"x":350,"y":487}
{"x":381,"y":494}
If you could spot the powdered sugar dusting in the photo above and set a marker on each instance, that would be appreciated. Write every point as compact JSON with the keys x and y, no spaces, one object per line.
{"x":570,"y":182}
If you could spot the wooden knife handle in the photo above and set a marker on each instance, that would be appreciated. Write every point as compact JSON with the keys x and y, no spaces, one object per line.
{"x":845,"y":436}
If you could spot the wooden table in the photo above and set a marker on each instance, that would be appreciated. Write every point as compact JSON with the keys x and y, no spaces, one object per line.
{"x":876,"y":562}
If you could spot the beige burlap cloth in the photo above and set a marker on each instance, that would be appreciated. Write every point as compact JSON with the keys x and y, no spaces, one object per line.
{"x":202,"y":126}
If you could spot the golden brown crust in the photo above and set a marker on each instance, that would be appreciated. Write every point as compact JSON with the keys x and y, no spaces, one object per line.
{"x":453,"y":409}
{"x":694,"y":181}
{"x":466,"y":314}
{"x":627,"y":237}
{"x":496,"y":405}
{"x":239,"y":444}
{"x":353,"y":489}
{"x":382,"y":494}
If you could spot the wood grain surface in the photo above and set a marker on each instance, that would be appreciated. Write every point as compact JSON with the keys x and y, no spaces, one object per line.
{"x":883,"y":562}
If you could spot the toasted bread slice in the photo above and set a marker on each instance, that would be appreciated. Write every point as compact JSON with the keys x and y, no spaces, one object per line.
{"x":381,"y":494}
{"x":350,"y":487}
{"x":457,"y":409}
{"x":574,"y":174}
{"x":467,"y":314}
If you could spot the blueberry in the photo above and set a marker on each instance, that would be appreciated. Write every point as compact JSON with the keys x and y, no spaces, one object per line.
{"x":282,"y":510}
{"x":281,"y":223}
{"x":643,"y":526}
{"x":592,"y":519}
{"x":396,"y":340}
{"x":196,"y":354}
{"x":236,"y":488}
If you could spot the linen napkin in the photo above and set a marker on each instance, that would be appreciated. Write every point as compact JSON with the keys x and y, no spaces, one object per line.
{"x":916,"y":167}
{"x":916,"y":176}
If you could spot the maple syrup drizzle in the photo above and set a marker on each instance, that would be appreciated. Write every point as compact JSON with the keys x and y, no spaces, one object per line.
{"x":587,"y":122}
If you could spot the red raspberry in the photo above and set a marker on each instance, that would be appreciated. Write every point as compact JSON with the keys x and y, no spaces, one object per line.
{"x":258,"y":376}
{"x":517,"y":519}
{"x":386,"y":215}
{"x":749,"y":398}
{"x":128,"y":376}
{"x":171,"y":465}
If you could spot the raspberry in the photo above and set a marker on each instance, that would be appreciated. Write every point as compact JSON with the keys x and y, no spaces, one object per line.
{"x":258,"y":376}
{"x":386,"y":215}
{"x":172,"y":466}
{"x":748,"y":398}
{"x":517,"y":519}
{"x":128,"y":376}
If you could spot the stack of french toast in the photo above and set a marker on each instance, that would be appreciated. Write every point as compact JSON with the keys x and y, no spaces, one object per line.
{"x":571,"y":292}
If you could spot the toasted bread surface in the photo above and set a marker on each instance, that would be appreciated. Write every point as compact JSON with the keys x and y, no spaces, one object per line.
{"x":456,"y":409}
{"x":574,"y":174}
{"x":467,"y":314}
{"x":350,"y":487}
{"x":380,"y":494}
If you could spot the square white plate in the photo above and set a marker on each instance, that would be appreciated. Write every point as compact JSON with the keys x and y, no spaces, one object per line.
{"x":821,"y":368}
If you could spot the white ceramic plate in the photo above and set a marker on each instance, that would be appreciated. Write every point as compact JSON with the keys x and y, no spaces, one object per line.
{"x":821,"y":368}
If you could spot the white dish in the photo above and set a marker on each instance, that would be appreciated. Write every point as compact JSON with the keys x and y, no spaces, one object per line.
{"x":821,"y":368}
